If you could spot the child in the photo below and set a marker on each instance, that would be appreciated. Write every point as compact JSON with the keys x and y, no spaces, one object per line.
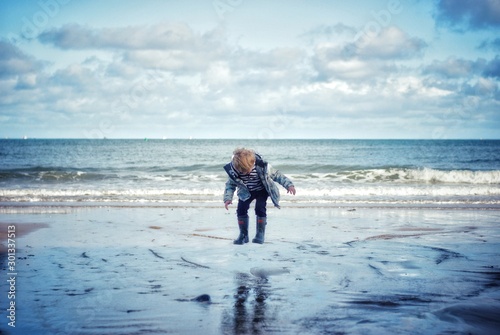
{"x":254,"y":178}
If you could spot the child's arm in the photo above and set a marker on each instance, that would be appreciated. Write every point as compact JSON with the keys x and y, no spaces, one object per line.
{"x":281,"y":179}
{"x":229,"y":192}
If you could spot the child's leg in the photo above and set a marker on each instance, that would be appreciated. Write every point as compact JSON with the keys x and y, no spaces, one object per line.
{"x":242,"y":213}
{"x":261,"y":203}
{"x":243,"y":206}
{"x":260,"y":212}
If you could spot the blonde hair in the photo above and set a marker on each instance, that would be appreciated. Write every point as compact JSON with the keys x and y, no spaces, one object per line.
{"x":243,"y":160}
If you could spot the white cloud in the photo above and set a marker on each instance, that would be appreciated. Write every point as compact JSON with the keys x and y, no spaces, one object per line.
{"x":218,"y":76}
{"x":158,"y":36}
{"x":451,"y":68}
{"x":337,"y":68}
{"x":390,"y":43}
{"x":179,"y":61}
{"x":368,"y":57}
{"x":27,"y":81}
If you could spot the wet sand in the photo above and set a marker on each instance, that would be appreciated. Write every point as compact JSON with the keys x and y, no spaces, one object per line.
{"x":19,"y":231}
{"x":321,"y":271}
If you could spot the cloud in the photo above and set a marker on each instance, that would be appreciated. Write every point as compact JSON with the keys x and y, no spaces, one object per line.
{"x":490,"y":45}
{"x":390,"y":43}
{"x":178,"y":61}
{"x":14,"y":62}
{"x":166,"y":46}
{"x":455,"y":68}
{"x":328,"y":33}
{"x":485,"y":87}
{"x":472,"y":14}
{"x":26,"y":82}
{"x":76,"y":76}
{"x":158,"y":36}
{"x":276,"y":68}
{"x":368,"y":56}
{"x":492,"y":69}
{"x":330,"y":65}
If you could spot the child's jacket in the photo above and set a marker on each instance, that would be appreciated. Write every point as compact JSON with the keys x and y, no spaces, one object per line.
{"x":265,"y":172}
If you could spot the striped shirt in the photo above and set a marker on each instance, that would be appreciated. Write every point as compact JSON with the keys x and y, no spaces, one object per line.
{"x":251,"y":180}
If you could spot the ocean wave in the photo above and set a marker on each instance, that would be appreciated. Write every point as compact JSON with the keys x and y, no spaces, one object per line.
{"x":39,"y":174}
{"x":198,"y":174}
{"x":455,"y":176}
{"x":71,"y":175}
{"x":406,"y":175}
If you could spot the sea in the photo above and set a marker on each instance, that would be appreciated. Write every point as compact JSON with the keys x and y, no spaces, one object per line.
{"x":189,"y":172}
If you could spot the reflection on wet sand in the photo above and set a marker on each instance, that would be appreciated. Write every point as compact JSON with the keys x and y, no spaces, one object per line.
{"x":249,"y":315}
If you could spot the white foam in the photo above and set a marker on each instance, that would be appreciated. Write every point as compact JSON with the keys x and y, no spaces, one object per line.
{"x":397,"y":175}
{"x":454,"y":176}
{"x":402,"y":191}
{"x":306,"y":192}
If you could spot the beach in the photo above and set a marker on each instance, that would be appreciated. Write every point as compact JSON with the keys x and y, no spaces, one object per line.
{"x":365,"y":133}
{"x":153,"y":269}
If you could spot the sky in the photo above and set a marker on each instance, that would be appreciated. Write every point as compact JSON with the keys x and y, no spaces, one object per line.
{"x":260,"y":69}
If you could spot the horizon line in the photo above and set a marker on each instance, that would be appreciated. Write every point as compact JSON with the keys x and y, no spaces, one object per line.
{"x":247,"y":139}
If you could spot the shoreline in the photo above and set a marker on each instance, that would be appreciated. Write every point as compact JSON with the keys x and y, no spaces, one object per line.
{"x":6,"y":206}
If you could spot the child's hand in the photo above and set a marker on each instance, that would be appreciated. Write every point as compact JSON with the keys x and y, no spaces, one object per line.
{"x":291,"y":189}
{"x":227,"y":203}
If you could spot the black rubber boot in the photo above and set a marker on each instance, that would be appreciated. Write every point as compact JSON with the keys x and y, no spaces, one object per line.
{"x":261,"y":230}
{"x":243,"y":225}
